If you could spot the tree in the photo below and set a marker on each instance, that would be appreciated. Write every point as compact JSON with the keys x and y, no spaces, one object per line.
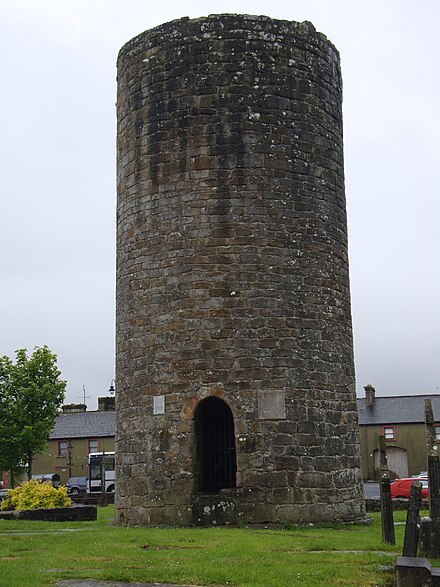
{"x":10,"y":454}
{"x":31,"y":394}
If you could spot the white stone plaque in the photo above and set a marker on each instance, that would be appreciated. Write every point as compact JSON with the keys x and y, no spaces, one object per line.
{"x":271,"y":404}
{"x":158,"y":405}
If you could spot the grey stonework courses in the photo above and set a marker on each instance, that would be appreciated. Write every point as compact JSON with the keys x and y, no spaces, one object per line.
{"x":236,"y":393}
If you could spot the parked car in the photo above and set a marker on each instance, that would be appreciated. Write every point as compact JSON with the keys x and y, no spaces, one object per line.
{"x":77,"y":485}
{"x":400,"y":488}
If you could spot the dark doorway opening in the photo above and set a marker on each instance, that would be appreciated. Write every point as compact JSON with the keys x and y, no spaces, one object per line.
{"x":216,"y":463}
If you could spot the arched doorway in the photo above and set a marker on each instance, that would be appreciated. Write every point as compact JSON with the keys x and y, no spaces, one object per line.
{"x":215,"y":462}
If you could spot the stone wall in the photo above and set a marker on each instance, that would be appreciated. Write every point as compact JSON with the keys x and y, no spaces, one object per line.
{"x":232,"y":272}
{"x":73,"y":513}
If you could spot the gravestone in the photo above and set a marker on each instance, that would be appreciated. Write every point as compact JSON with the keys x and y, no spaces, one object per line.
{"x":412,"y":526}
{"x":431,"y":525}
{"x":386,"y":504}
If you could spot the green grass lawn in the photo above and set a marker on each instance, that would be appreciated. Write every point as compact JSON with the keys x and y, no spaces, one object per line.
{"x":41,"y":553}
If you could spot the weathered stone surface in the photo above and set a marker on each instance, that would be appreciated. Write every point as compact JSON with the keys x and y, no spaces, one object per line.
{"x":412,"y":526}
{"x":232,"y":271}
{"x":414,"y":572}
{"x":213,"y":510}
{"x":386,"y":507}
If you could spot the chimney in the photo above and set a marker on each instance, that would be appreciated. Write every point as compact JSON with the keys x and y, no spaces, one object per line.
{"x":106,"y":404}
{"x":74,"y":408}
{"x":369,"y":395}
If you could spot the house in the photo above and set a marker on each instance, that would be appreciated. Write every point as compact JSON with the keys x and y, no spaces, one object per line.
{"x":401,"y":420}
{"x":76,"y":434}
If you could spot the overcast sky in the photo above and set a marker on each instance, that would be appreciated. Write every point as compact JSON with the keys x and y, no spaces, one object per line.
{"x":57,"y":147}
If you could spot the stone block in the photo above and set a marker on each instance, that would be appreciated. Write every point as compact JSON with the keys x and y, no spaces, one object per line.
{"x":212,"y":510}
{"x":413,"y":572}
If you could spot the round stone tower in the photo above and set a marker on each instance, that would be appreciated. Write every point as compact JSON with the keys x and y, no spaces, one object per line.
{"x":235,"y":377}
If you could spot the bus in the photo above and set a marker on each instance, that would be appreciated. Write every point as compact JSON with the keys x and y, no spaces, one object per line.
{"x":101,"y":472}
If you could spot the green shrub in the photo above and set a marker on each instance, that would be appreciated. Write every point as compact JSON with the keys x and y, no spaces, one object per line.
{"x":32,"y":494}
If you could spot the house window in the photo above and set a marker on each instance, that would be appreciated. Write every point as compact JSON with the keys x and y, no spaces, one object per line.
{"x":437,"y":432}
{"x":389,"y":432}
{"x":62,"y":448}
{"x":93,"y":445}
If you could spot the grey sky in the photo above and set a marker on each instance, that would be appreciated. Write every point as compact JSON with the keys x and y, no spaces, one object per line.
{"x":57,"y":148}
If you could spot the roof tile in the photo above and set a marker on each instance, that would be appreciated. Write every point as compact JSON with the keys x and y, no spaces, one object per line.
{"x":84,"y":425}
{"x":397,"y":409}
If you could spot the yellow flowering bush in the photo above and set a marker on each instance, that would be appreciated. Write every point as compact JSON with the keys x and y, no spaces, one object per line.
{"x":33,"y":494}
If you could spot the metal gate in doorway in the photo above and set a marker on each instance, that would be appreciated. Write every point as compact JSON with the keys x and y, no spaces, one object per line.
{"x":216,"y":463}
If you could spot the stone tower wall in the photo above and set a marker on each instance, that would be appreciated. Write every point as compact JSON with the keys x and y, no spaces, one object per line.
{"x":232,"y":272}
